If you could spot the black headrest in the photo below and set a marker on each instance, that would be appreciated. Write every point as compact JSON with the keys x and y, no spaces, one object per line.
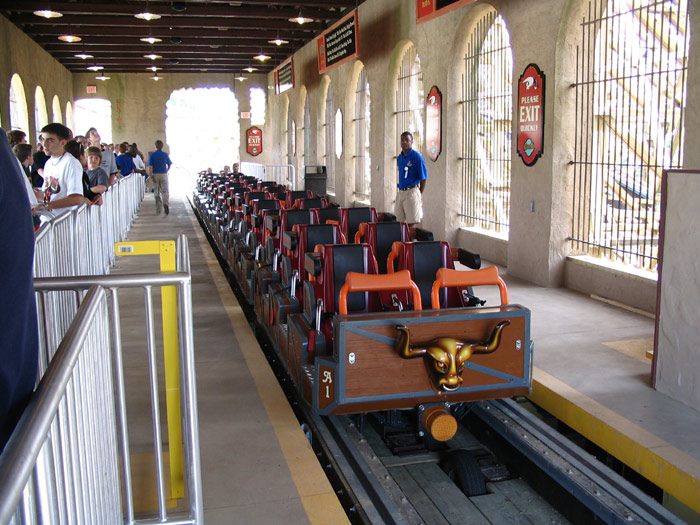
{"x":329,"y":214}
{"x":268,"y":204}
{"x":355,"y":217}
{"x":318,"y":234}
{"x":427,"y":260}
{"x":313,"y":203}
{"x":297,"y":194}
{"x":252,"y":195}
{"x":297,"y":217}
{"x":348,"y":258}
{"x":387,"y":234}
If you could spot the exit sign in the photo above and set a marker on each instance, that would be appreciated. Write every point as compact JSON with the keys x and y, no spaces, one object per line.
{"x":92,"y":89}
{"x":245,"y":114}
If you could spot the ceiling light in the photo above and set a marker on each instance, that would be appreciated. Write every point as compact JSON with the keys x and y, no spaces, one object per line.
{"x":147,"y":16}
{"x":102,"y":77}
{"x":84,"y":56}
{"x":250,"y":69}
{"x":155,"y":77}
{"x":47,"y":13}
{"x":301,"y":19}
{"x":69,"y":38}
{"x":151,"y":40}
{"x":262,"y":57}
{"x":278,"y":41}
{"x":152,"y":56}
{"x":154,"y":68}
{"x":95,"y":68}
{"x":241,"y":77}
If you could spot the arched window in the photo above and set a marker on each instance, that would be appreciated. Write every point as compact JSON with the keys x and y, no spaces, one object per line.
{"x":56,"y":110}
{"x":257,"y":106}
{"x":93,"y":112}
{"x":410,"y":105}
{"x":69,"y":118}
{"x":363,"y":163}
{"x":631,"y":93}
{"x":487,"y":114}
{"x":41,"y":117}
{"x":330,"y":141}
{"x":19,"y":117}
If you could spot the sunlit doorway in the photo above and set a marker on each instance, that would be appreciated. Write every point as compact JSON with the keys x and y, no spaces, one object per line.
{"x":93,"y":113}
{"x":202,"y":132}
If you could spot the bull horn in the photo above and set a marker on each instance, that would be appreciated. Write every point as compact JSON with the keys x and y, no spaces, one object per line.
{"x":486,"y":347}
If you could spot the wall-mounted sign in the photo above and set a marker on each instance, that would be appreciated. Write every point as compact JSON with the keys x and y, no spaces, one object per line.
{"x":245,"y":114}
{"x":339,"y":43}
{"x":429,"y":9}
{"x":253,"y":139}
{"x":531,"y":114}
{"x":433,"y":123}
{"x":284,"y":76}
{"x":91,"y":89}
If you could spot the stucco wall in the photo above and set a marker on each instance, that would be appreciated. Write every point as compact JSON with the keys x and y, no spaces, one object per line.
{"x":678,"y":353}
{"x":139,"y":104}
{"x":21,"y":55}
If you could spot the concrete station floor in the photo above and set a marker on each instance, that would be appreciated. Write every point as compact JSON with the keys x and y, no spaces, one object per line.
{"x":257,"y":465}
{"x":591,"y":371}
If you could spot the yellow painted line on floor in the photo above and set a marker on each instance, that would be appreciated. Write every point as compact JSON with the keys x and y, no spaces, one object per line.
{"x":663,"y":464}
{"x":317,"y":496}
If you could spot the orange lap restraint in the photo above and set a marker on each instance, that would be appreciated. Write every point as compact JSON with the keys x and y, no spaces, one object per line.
{"x":362,"y":282}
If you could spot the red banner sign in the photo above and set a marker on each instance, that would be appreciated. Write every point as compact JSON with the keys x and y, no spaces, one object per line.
{"x":253,"y":138}
{"x":429,"y":9}
{"x":531,"y":114}
{"x":433,"y":123}
{"x":339,"y":43}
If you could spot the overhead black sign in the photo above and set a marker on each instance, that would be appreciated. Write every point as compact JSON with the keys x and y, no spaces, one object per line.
{"x":339,"y":43}
{"x":284,"y":76}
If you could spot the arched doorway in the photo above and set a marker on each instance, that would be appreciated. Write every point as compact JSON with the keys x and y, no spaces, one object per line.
{"x":201,"y":131}
{"x":19,"y":117}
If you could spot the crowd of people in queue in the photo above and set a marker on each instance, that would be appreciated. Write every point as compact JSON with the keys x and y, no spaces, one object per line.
{"x":65,"y":170}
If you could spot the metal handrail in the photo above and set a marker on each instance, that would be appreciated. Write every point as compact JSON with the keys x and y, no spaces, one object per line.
{"x":56,"y":474}
{"x":20,"y":455}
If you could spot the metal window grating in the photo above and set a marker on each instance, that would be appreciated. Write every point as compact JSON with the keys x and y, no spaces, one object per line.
{"x":409,"y":100}
{"x":487,"y":114}
{"x":630,"y":98}
{"x":363,"y":163}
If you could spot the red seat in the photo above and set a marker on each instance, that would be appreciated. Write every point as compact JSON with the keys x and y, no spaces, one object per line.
{"x":292,"y":196}
{"x":381,"y":236}
{"x":309,"y":203}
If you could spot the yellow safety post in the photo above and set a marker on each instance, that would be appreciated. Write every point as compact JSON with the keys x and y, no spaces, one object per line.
{"x":166,"y":251}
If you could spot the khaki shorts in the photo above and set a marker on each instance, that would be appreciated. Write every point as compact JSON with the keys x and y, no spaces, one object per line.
{"x":409,"y":206}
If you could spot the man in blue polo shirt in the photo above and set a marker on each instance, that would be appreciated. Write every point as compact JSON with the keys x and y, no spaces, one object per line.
{"x":158,"y":165}
{"x":412,"y":177}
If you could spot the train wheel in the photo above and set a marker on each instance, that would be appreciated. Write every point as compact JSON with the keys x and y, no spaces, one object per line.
{"x":463,"y":468}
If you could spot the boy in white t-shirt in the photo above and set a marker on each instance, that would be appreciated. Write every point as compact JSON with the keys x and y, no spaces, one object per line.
{"x":63,"y":174}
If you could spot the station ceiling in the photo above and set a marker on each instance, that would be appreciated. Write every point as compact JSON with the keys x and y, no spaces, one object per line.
{"x":214,"y":36}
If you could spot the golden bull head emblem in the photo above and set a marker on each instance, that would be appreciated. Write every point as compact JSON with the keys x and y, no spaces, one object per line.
{"x":445,"y":356}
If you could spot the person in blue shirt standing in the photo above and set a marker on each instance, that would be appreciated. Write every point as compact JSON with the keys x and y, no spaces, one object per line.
{"x":158,"y":165}
{"x":412,"y":177}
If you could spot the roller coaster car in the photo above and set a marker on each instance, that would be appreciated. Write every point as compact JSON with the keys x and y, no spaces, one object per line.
{"x":284,"y":298}
{"x":293,"y":195}
{"x":267,"y":272}
{"x":371,"y":362}
{"x":324,"y":215}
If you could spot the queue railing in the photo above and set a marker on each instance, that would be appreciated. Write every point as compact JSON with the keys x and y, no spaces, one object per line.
{"x":81,"y":241}
{"x":69,"y":458}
